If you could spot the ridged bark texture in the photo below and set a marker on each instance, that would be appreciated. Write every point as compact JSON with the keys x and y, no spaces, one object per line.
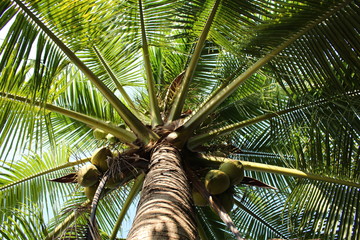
{"x":165,"y":209}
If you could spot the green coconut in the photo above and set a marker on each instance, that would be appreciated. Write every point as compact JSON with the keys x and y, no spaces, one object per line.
{"x":199,"y":200}
{"x":226,"y":199}
{"x":88,"y":175}
{"x":90,"y":191}
{"x":113,"y":182}
{"x":216,"y":181}
{"x":234,"y":169}
{"x":99,"y":134}
{"x":99,"y":158}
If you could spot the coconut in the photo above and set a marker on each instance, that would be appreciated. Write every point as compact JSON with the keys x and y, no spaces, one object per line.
{"x":90,"y":191}
{"x":234,"y":169}
{"x":99,"y":158}
{"x":226,"y":199}
{"x":99,"y":134}
{"x":216,"y":181}
{"x":199,"y":200}
{"x":88,"y":175}
{"x":113,"y":182}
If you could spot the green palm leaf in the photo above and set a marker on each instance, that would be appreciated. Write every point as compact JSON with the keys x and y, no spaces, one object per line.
{"x":212,"y":225}
{"x":261,"y":213}
{"x":272,"y":83}
{"x":20,"y":184}
{"x":321,"y":209}
{"x":25,"y":223}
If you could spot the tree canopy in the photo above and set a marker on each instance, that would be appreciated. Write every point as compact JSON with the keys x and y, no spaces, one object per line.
{"x":273,"y":84}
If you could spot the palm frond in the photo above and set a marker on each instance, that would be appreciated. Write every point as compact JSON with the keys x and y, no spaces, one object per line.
{"x":75,"y":214}
{"x":124,"y":135}
{"x":72,"y":220}
{"x":215,"y":100}
{"x":272,"y":83}
{"x":260,"y":213}
{"x":213,"y":227}
{"x":133,"y":122}
{"x":83,"y":22}
{"x":26,"y":222}
{"x":21,"y":184}
{"x":321,"y":121}
{"x":323,"y":210}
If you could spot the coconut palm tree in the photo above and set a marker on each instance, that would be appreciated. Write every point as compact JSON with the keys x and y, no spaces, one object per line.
{"x":171,"y":90}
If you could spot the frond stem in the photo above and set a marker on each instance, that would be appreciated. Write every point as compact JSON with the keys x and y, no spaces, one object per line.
{"x":180,"y":99}
{"x":201,"y":138}
{"x":200,"y":228}
{"x":123,"y":135}
{"x":261,"y":167}
{"x":115,"y":80}
{"x":154,"y":105}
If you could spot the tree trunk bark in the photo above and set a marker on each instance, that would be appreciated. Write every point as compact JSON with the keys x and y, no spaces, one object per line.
{"x":165,"y":209}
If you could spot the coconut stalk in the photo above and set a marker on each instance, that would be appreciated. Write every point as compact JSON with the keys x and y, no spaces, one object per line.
{"x":93,"y":232}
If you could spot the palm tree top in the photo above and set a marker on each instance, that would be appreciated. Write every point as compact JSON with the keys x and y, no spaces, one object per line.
{"x":272,"y":84}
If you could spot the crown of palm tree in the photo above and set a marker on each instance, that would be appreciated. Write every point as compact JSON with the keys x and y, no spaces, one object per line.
{"x":272,"y":84}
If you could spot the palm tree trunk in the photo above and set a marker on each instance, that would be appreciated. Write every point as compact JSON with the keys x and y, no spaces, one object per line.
{"x":165,"y":209}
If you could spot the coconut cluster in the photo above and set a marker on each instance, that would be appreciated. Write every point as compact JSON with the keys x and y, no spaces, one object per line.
{"x":89,"y":175}
{"x":219,"y":182}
